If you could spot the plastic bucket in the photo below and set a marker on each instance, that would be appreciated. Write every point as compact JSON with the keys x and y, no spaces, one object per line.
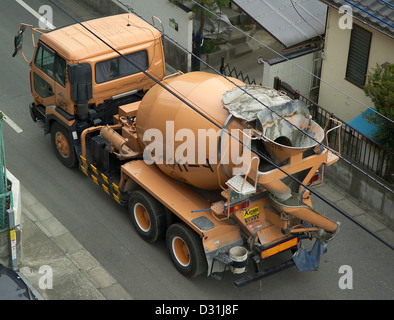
{"x":239,"y":256}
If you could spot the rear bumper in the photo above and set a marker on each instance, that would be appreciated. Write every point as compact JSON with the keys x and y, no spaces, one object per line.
{"x":264,"y":273}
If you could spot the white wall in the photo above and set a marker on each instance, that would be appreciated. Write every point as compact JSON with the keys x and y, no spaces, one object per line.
{"x":16,"y":197}
{"x":170,"y":16}
{"x":291,"y":73}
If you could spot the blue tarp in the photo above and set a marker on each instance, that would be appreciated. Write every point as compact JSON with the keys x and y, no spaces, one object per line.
{"x":305,"y":261}
{"x":361,"y":124}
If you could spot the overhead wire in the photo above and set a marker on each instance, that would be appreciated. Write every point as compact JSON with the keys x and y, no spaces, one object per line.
{"x":372,"y":15}
{"x":254,"y":98}
{"x":391,"y":5}
{"x":291,"y":61}
{"x":306,"y":21}
{"x":257,"y":152}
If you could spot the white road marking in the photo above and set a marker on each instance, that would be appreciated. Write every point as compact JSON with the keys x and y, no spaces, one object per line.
{"x":12,"y":124}
{"x":34,"y":13}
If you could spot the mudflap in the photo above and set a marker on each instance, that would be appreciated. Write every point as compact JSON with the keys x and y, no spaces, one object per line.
{"x":310,"y":261}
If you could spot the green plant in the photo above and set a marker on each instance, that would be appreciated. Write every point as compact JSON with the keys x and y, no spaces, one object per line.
{"x":380,"y":88}
{"x":209,"y":46}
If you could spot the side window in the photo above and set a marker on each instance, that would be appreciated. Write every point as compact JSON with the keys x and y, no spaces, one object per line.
{"x":120,"y":67}
{"x":51,"y":64}
{"x":47,"y":62}
{"x":41,"y":87}
{"x":60,"y":70}
{"x":38,"y":59}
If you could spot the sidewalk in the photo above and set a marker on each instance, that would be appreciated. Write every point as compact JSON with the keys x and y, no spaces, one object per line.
{"x":76,"y":274}
{"x":357,"y":211}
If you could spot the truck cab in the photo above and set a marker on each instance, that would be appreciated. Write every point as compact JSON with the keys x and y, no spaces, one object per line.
{"x":80,"y":76}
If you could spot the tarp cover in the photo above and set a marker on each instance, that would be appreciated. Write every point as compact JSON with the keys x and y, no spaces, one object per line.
{"x":241,"y":102}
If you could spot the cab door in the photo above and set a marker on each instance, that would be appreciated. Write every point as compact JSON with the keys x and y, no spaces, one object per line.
{"x":42,"y":75}
{"x":48,"y":76}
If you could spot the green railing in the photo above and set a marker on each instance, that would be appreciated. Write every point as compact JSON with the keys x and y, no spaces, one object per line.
{"x":355,"y":146}
{"x":5,"y":188}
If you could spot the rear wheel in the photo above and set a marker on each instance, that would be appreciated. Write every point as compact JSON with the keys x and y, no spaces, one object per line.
{"x":148,"y":216}
{"x":186,"y":251}
{"x":61,"y":142}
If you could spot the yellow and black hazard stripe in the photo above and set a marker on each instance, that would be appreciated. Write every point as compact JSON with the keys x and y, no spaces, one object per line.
{"x":101,"y":180}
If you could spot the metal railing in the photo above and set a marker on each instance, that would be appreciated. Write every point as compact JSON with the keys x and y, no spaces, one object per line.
{"x":5,"y":193}
{"x":228,"y":71}
{"x":355,"y":146}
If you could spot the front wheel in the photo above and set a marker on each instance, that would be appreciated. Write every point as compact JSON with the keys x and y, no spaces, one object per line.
{"x":61,"y":142}
{"x":186,"y":250}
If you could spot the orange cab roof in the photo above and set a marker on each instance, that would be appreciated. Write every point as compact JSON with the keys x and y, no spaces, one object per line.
{"x":74,"y":42}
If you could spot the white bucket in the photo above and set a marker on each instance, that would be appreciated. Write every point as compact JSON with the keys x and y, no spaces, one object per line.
{"x":238,"y":254}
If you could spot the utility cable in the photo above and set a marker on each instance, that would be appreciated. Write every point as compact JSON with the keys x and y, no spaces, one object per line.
{"x":291,"y":61}
{"x":254,"y":98}
{"x":387,"y":3}
{"x":257,"y":152}
{"x":372,"y":15}
{"x":306,"y":21}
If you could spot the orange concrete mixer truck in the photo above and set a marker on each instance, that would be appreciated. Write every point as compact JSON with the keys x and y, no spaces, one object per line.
{"x":217,"y":168}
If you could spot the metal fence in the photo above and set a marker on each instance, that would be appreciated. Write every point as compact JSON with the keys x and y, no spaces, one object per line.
{"x":5,"y":193}
{"x":233,"y":72}
{"x":354,"y":145}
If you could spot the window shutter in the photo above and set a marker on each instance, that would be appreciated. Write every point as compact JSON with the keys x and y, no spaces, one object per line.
{"x":357,"y":63}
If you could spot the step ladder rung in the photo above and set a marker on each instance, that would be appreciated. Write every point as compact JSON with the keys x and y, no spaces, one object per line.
{"x":240,"y":185}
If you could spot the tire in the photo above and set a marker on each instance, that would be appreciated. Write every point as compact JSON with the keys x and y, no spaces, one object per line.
{"x":62,"y":145}
{"x":186,"y":250}
{"x":148,"y":216}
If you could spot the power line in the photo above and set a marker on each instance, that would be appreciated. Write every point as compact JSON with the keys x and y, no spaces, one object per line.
{"x":306,"y":21}
{"x":291,"y":61}
{"x":387,"y":3}
{"x":372,"y":15}
{"x":257,"y":152}
{"x":213,"y":69}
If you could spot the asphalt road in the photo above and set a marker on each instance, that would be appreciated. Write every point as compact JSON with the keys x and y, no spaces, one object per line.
{"x":105,"y":229}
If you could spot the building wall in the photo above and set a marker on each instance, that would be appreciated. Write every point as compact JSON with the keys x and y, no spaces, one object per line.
{"x":291,"y":73}
{"x":177,"y":23}
{"x":334,"y":68}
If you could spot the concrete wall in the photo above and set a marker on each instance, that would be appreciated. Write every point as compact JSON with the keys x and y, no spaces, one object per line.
{"x":334,"y":68}
{"x":5,"y":236}
{"x":374,"y":198}
{"x":289,"y":72}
